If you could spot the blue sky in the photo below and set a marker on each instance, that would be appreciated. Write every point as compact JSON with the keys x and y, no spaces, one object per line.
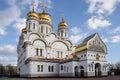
{"x":84,"y":17}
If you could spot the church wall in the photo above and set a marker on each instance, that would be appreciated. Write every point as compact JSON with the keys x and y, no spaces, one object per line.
{"x":25,"y":70}
{"x":68,"y":69}
{"x":44,"y":28}
{"x":32,"y":25}
{"x":82,"y":55}
{"x":45,"y":73}
{"x":93,"y":55}
{"x":33,"y":37}
{"x":50,"y":38}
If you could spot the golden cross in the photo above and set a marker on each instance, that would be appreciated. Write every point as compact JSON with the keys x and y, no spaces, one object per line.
{"x":33,"y":6}
{"x":44,"y":7}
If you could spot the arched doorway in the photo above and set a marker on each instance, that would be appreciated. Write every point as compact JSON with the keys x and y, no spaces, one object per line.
{"x":76,"y":71}
{"x":81,"y":71}
{"x":97,"y":69}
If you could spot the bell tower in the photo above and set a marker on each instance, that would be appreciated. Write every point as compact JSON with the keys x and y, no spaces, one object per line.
{"x":63,"y":28}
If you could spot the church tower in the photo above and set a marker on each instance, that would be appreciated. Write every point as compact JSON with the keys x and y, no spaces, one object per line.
{"x":45,"y":22}
{"x":32,"y":21}
{"x":38,"y":22}
{"x":63,"y":29}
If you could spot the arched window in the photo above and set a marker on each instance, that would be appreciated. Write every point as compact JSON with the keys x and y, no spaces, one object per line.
{"x":41,"y":50}
{"x":62,"y":32}
{"x":65,"y":34}
{"x":29,"y":25}
{"x":61,"y":54}
{"x":41,"y":68}
{"x":37,"y":52}
{"x":41,"y":29}
{"x":92,"y":66}
{"x":49,"y":68}
{"x":61,"y":67}
{"x":38,"y":68}
{"x":52,"y":68}
{"x":46,"y":30}
{"x":58,"y":54}
{"x":89,"y":67}
{"x":33,"y":25}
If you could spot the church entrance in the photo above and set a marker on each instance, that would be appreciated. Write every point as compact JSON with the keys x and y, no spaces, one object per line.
{"x":76,"y":71}
{"x":81,"y":71}
{"x":97,"y":69}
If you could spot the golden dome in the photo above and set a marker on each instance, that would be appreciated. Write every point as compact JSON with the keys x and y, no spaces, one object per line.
{"x":32,"y":14}
{"x":24,"y":30}
{"x":45,"y":16}
{"x":62,"y":24}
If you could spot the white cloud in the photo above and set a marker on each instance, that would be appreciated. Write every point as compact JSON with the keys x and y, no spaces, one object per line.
{"x":8,"y":49}
{"x":115,"y":31}
{"x":105,"y":40}
{"x":3,"y":59}
{"x":102,"y":6}
{"x":115,"y":39}
{"x":20,"y":24}
{"x":97,"y":22}
{"x":75,"y":30}
{"x":76,"y":38}
{"x":8,"y":55}
{"x":38,"y":4}
{"x":7,"y":17}
{"x":2,"y":32}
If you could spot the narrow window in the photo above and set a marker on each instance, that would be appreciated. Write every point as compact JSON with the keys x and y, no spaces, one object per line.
{"x":29,"y":25}
{"x":49,"y":68}
{"x":41,"y":68}
{"x":38,"y":68}
{"x":62,"y":32}
{"x":41,"y":29}
{"x":33,"y":25}
{"x":92,"y":67}
{"x":41,"y":52}
{"x":52,"y":68}
{"x":46,"y":30}
{"x":37,"y":50}
{"x":58,"y":54}
{"x":65,"y":34}
{"x":61,"y":67}
{"x":89,"y":68}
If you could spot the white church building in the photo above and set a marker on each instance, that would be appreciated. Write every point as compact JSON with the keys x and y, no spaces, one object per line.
{"x":45,"y":53}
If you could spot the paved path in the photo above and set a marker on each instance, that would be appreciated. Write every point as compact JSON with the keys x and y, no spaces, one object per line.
{"x":100,"y":78}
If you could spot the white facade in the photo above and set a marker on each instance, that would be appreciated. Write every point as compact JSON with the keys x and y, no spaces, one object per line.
{"x":44,"y":53}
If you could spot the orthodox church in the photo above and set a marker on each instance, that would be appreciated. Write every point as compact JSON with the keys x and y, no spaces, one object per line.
{"x":45,"y":53}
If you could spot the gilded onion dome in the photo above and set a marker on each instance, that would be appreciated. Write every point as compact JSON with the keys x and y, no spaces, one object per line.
{"x":24,"y":30}
{"x":62,"y":24}
{"x":33,"y":13}
{"x":45,"y":16}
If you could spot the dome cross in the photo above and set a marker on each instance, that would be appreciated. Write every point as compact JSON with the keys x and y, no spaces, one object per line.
{"x":62,"y":17}
{"x":44,"y":7}
{"x":33,"y":6}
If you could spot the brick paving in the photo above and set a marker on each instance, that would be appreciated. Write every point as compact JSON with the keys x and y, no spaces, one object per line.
{"x":99,"y":78}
